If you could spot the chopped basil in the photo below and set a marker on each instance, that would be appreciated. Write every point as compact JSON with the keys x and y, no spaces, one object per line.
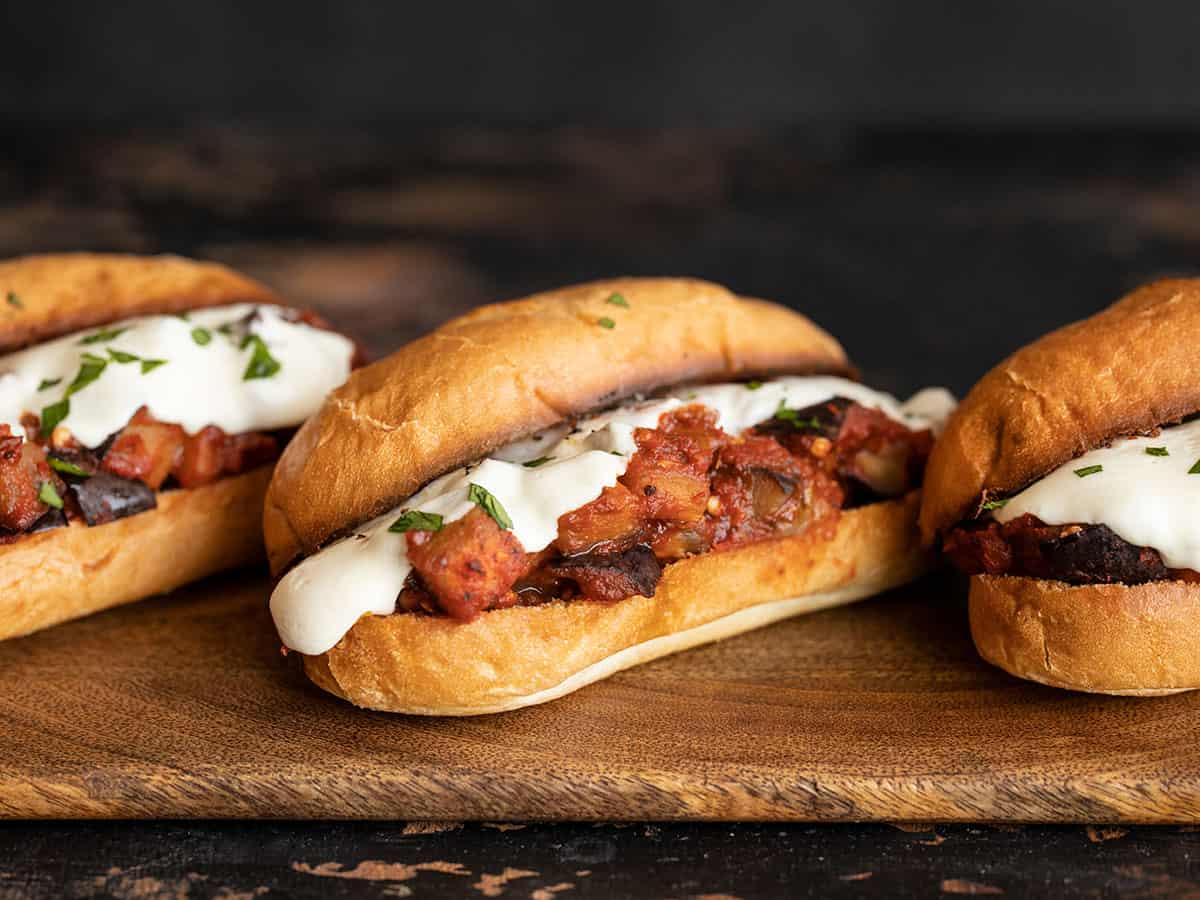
{"x":262,"y":363}
{"x":120,"y":356}
{"x":227,"y":328}
{"x":201,"y":336}
{"x":67,"y":467}
{"x":48,"y":383}
{"x":1195,"y":469}
{"x":489,"y":504}
{"x":616,"y":453}
{"x":753,"y":385}
{"x":14,"y":301}
{"x":53,"y":414}
{"x":1157,"y":451}
{"x":618,"y":300}
{"x":49,"y":495}
{"x":1088,"y":470}
{"x":149,"y":365}
{"x":90,"y":369}
{"x":540,"y":461}
{"x":792,"y":417}
{"x":993,"y":504}
{"x":415,"y":520}
{"x":101,"y":337}
{"x":606,"y":322}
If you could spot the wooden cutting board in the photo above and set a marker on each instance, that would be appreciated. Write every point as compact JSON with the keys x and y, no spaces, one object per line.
{"x":183,"y":706}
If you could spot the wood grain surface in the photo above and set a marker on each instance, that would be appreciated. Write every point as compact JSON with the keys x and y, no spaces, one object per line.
{"x":183,"y":707}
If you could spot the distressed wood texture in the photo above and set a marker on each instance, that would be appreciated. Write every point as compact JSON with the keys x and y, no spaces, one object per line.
{"x":183,"y":707}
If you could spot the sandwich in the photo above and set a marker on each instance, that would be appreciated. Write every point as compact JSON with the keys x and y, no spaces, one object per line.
{"x":143,"y":403}
{"x":1066,"y":486}
{"x":547,"y":491}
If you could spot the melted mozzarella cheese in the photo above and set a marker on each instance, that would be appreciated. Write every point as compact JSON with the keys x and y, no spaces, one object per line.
{"x":1147,"y":499}
{"x":200,"y":382}
{"x":320,"y":599}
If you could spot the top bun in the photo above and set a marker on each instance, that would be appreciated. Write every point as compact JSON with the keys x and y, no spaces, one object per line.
{"x":1125,"y":370}
{"x":508,"y":369}
{"x":44,"y":297}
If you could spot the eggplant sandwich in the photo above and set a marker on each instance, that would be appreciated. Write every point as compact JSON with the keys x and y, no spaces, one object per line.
{"x":547,"y":491}
{"x":143,"y":402}
{"x":1067,"y":485}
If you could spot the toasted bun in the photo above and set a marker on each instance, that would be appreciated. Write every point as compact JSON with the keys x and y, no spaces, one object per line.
{"x":521,"y":656}
{"x":1125,"y":370}
{"x":1137,"y":640}
{"x":509,"y":369}
{"x":60,"y":293}
{"x":57,"y":575}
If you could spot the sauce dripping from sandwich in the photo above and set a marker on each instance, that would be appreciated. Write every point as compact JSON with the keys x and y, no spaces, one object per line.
{"x":527,"y":486}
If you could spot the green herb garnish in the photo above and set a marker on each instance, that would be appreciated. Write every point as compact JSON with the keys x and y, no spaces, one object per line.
{"x":201,"y":336}
{"x":100,"y":337}
{"x":48,"y":495}
{"x":606,"y":322}
{"x":1157,"y":451}
{"x":53,"y":414}
{"x":90,"y":369}
{"x":753,"y":385}
{"x":792,"y":417}
{"x":262,"y":363}
{"x":67,"y":467}
{"x":1088,"y":470}
{"x":540,"y":461}
{"x":415,"y":520}
{"x":120,"y":356}
{"x":149,"y":365}
{"x":1195,"y":469}
{"x":489,"y":504}
{"x":14,"y":301}
{"x":48,"y":383}
{"x":993,"y":504}
{"x":618,"y":300}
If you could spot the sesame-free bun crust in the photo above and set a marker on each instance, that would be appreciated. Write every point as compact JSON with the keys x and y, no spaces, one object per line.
{"x":1134,"y":640}
{"x":508,"y":369}
{"x":516,"y":657}
{"x":56,"y":294}
{"x":65,"y":573}
{"x":1125,"y":370}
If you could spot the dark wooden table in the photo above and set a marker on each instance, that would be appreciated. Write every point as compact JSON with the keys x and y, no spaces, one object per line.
{"x":930,"y":255}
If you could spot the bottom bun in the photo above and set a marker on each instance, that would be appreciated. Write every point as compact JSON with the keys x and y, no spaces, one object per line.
{"x":1137,"y":640}
{"x":69,"y":572}
{"x":525,"y":655}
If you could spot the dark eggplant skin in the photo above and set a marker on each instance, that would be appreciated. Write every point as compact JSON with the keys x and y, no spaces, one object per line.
{"x":104,"y":497}
{"x":613,"y":576}
{"x":821,"y":419}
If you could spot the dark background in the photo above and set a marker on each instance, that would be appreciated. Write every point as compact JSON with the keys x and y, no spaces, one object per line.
{"x":935,"y":183}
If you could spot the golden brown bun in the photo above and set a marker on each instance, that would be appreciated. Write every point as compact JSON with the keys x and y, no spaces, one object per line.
{"x":517,"y":657}
{"x":506,"y":370}
{"x":1125,"y":370}
{"x":57,"y":294}
{"x":57,"y":575}
{"x":1136,"y":640}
